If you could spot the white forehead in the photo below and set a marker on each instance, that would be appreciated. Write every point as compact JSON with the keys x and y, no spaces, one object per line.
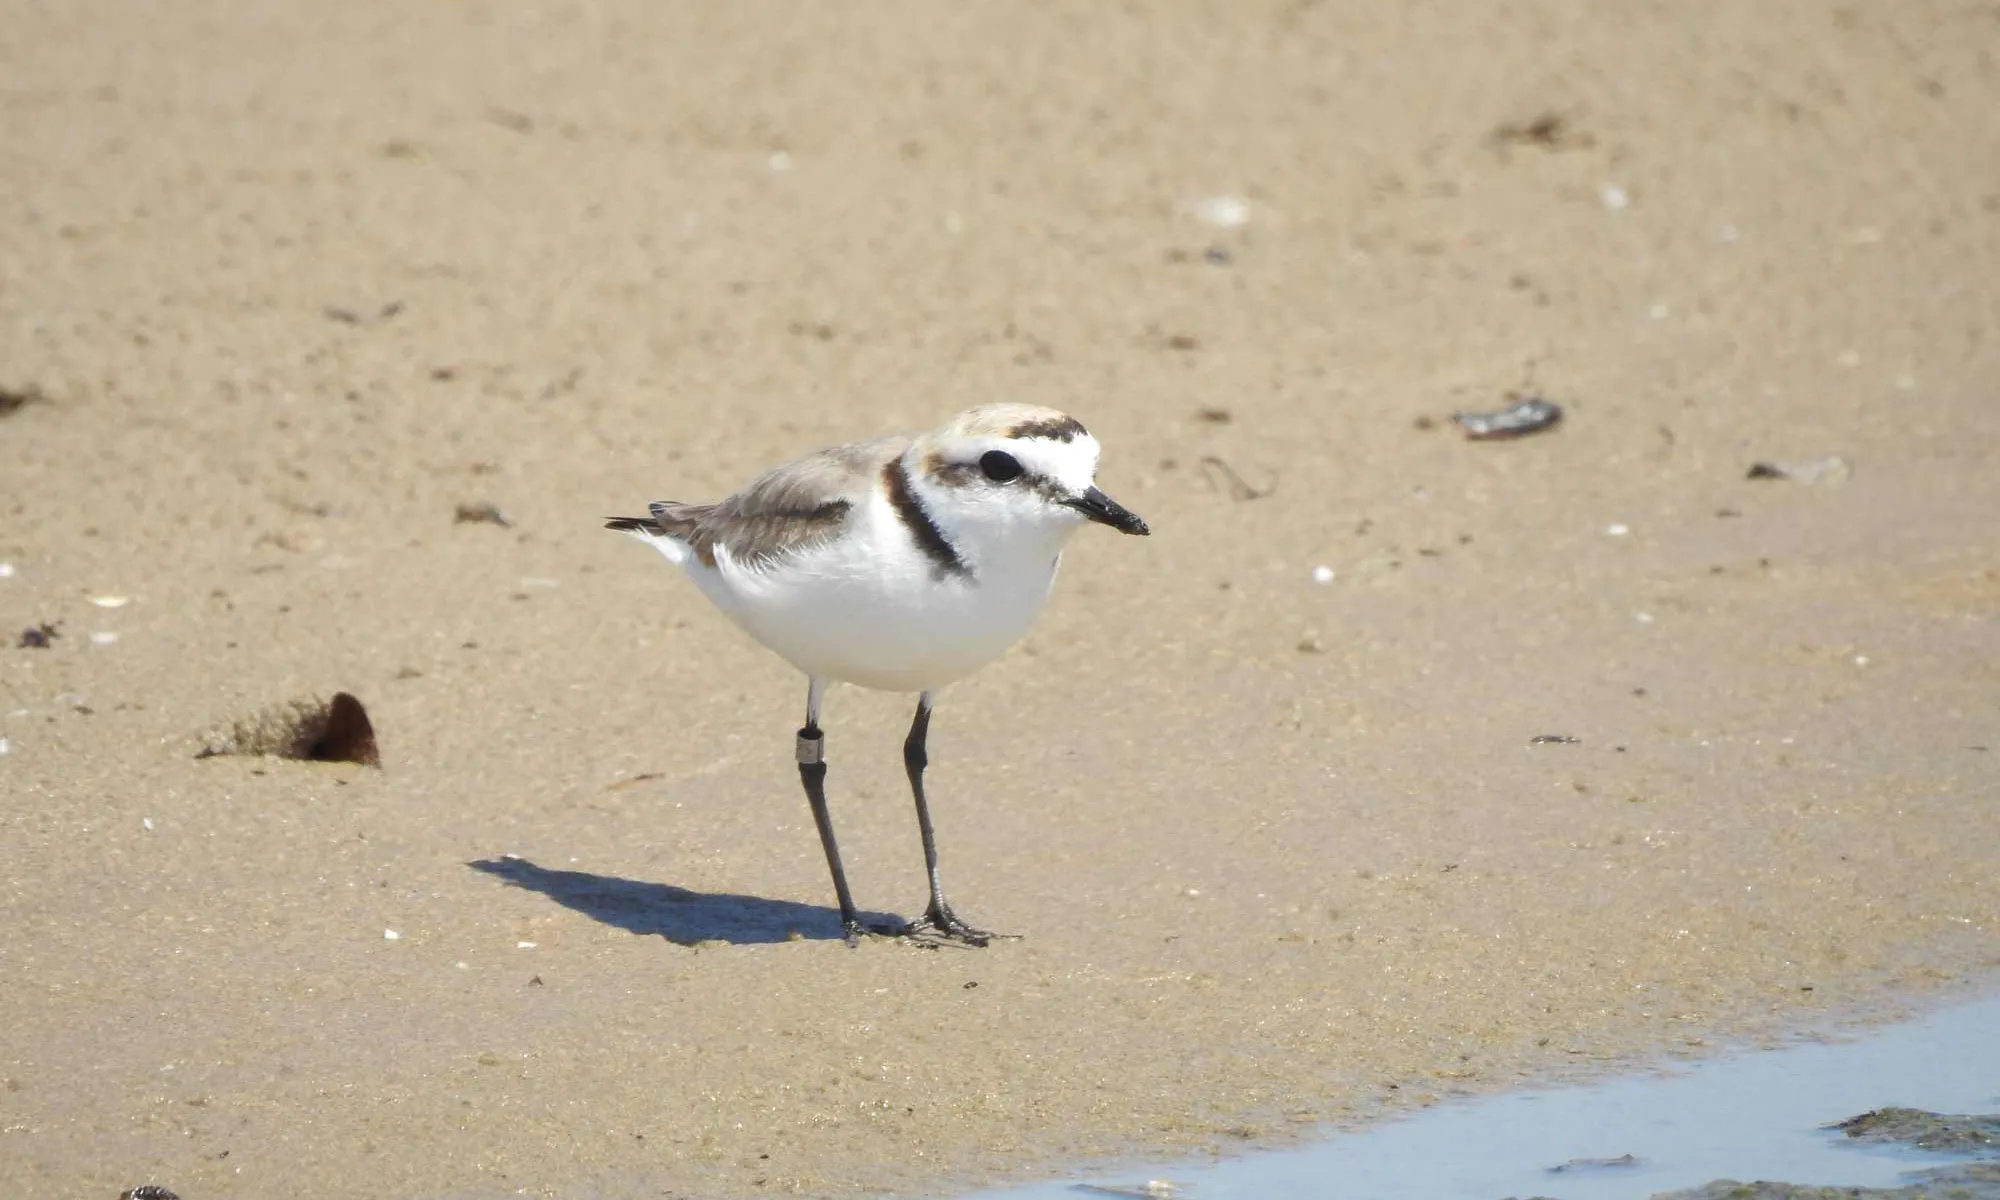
{"x":1072,"y":463}
{"x":1046,"y":441}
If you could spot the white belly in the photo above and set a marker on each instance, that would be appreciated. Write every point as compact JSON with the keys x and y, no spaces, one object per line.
{"x":852,"y":611}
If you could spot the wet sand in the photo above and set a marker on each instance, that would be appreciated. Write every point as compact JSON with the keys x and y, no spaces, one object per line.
{"x":1682,"y":1122}
{"x":291,"y":286}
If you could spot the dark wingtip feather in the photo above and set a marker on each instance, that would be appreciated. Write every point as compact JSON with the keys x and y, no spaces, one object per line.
{"x":633,"y":524}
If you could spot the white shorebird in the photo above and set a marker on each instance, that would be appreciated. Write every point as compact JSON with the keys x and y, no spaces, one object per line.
{"x":903,"y":564}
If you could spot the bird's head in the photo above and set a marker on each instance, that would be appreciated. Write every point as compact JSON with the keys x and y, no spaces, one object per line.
{"x":1015,"y":470}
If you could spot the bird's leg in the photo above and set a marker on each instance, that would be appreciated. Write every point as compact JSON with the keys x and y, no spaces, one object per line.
{"x":938,"y":919}
{"x":812,"y":773}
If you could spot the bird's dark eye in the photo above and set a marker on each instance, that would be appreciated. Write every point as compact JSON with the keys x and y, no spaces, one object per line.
{"x":1000,"y":466}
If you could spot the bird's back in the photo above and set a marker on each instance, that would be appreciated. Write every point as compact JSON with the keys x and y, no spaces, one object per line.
{"x":785,"y":511}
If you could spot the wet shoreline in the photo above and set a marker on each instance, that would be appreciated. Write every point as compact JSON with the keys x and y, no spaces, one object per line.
{"x":1685,"y":1131}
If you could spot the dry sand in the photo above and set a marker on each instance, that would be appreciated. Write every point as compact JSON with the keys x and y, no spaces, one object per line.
{"x":295,"y":281}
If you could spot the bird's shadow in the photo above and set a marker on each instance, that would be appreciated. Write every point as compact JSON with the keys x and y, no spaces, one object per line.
{"x":676,"y":914}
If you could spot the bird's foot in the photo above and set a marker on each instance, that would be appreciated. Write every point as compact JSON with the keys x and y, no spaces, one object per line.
{"x":856,"y":929}
{"x":940,"y":924}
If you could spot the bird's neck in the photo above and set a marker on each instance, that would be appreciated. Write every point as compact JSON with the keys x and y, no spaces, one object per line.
{"x":982,"y":549}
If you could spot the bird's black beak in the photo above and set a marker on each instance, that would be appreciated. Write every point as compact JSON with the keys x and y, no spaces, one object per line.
{"x":1106,"y":511}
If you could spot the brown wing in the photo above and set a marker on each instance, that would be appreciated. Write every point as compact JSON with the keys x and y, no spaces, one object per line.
{"x":789,"y":509}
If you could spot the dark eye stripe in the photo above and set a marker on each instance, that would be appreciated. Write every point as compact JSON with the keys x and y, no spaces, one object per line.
{"x":969,"y":474}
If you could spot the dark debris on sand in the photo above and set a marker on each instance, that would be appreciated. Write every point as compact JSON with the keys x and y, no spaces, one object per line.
{"x":1925,"y":1130}
{"x":1908,"y":1126}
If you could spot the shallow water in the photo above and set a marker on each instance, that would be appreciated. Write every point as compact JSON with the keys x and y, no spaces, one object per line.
{"x":1756,"y":1115}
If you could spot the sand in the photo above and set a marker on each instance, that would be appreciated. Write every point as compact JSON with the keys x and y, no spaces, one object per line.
{"x":288,"y":284}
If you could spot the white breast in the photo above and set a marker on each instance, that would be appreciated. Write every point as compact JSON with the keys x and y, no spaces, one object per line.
{"x":870,"y":608}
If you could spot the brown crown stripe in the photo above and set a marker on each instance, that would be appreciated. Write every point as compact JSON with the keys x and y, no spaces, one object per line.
{"x":929,"y":538}
{"x":1060,"y":429}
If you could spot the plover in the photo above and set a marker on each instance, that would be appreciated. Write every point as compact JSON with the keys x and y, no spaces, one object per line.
{"x":902,"y":564}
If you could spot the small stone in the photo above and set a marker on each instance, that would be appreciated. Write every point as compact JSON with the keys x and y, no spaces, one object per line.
{"x":1223,"y":212}
{"x":483,"y":512}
